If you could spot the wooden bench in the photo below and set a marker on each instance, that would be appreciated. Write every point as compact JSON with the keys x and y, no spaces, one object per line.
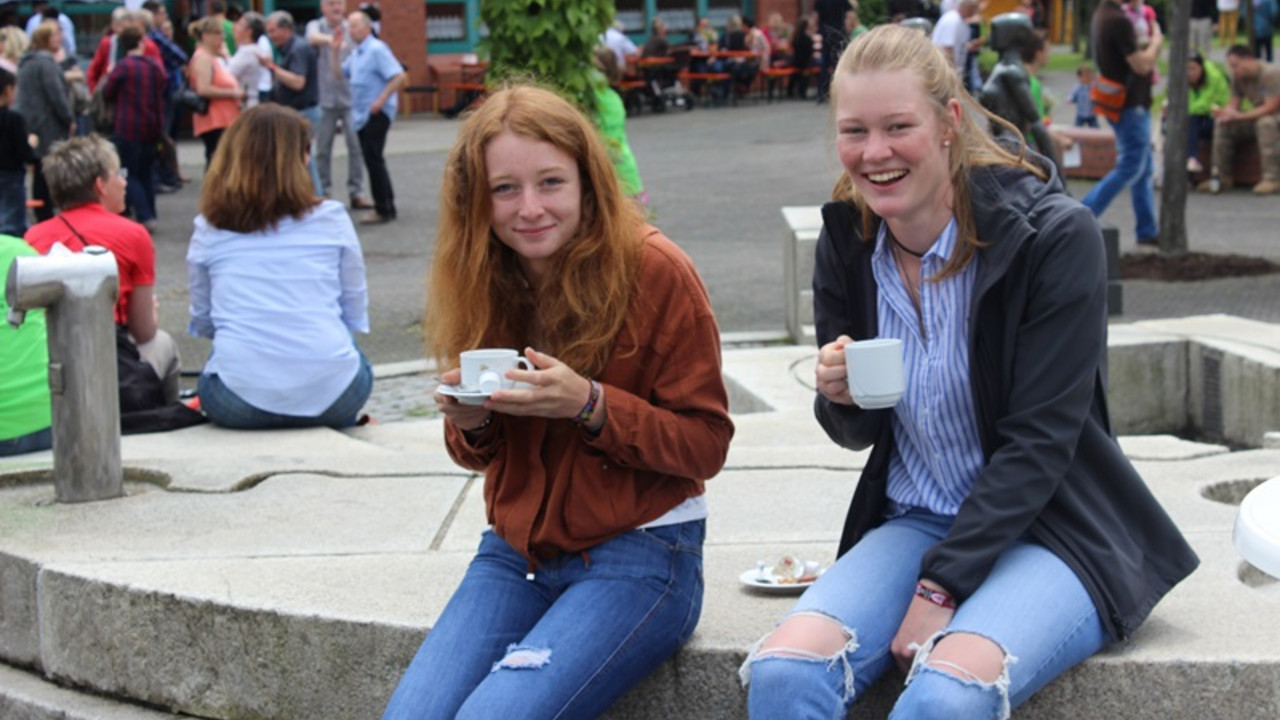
{"x":407,"y":97}
{"x":471,"y":91}
{"x":771,"y":77}
{"x":1098,"y":156}
{"x":706,"y":79}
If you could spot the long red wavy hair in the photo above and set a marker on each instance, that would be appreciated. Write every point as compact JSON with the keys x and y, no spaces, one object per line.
{"x":477,"y":295}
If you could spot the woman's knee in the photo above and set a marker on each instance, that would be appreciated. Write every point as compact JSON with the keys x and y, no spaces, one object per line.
{"x":957,"y":676}
{"x":809,"y":638}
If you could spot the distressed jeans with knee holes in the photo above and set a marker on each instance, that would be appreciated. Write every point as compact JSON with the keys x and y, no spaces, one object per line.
{"x":1031,"y":605}
{"x":566,"y":643}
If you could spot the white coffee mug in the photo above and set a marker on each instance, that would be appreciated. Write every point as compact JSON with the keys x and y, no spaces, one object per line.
{"x":876,"y":376}
{"x":485,"y":370}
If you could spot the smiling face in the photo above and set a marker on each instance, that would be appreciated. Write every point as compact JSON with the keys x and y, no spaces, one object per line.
{"x":536,"y":194}
{"x":892,"y":141}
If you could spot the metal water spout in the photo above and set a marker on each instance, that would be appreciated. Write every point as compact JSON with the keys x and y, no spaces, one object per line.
{"x":79,"y":293}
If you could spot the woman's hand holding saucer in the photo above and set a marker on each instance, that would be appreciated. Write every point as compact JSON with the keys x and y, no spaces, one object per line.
{"x":832,"y":374}
{"x":465,"y":417}
{"x":552,"y":390}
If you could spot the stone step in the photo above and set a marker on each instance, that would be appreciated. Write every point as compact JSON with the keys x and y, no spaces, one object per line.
{"x":24,"y":696}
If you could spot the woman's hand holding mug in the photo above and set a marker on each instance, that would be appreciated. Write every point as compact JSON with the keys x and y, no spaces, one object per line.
{"x":832,"y":374}
{"x":551,"y":390}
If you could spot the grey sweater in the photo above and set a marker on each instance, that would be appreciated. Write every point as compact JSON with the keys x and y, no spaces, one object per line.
{"x":43,"y":100}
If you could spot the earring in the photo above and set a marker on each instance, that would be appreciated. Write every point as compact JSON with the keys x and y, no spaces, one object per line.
{"x":946,"y":143}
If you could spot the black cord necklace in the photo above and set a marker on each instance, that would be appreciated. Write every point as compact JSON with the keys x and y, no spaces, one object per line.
{"x":902,"y":247}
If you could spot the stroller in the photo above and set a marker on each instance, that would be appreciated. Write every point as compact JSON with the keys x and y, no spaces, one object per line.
{"x":663,"y":86}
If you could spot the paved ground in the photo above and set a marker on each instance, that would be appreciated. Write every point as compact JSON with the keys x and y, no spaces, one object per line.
{"x":717,"y":178}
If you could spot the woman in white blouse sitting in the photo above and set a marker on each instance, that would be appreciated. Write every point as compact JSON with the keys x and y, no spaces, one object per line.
{"x":278,"y":284}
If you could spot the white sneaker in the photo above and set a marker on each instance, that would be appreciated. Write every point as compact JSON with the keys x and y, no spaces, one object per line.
{"x":1194,"y":166}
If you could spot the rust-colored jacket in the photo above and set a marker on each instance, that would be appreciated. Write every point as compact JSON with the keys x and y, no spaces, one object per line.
{"x":550,"y":488}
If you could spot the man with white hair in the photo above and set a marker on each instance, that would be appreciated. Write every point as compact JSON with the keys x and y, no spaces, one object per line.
{"x":952,"y":36}
{"x":617,"y":41}
{"x":376,"y":76}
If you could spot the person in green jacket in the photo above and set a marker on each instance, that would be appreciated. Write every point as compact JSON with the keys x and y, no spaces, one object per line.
{"x":1207,"y":91}
{"x":25,"y":412}
{"x":610,"y":118}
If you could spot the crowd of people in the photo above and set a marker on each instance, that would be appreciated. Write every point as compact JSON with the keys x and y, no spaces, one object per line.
{"x":98,"y":157}
{"x":141,"y":80}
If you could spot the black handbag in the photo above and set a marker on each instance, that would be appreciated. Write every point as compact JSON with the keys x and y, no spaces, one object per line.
{"x":187,"y":98}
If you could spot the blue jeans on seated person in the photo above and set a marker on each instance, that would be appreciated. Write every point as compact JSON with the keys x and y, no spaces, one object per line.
{"x":227,"y":409}
{"x":29,"y":443}
{"x":1133,"y":170}
{"x":1032,"y":605}
{"x":1199,"y":127}
{"x":564,"y":643}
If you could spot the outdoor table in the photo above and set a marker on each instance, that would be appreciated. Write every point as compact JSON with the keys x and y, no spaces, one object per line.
{"x":1257,"y":530}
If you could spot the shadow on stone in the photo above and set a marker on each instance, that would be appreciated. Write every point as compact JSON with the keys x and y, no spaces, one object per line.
{"x":1230,"y":492}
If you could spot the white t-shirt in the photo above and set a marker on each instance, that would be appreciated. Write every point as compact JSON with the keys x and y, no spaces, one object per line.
{"x":953,"y":32}
{"x":264,"y":48}
{"x":1228,"y":5}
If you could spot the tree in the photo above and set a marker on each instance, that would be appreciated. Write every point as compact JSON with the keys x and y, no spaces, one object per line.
{"x":547,"y":41}
{"x":1173,"y":194}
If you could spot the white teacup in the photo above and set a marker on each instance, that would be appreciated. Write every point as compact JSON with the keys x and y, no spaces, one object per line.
{"x":876,"y":376}
{"x":485,"y":370}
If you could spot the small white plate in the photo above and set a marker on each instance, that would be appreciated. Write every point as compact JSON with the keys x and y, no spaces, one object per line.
{"x":466,"y":397}
{"x":771,"y":584}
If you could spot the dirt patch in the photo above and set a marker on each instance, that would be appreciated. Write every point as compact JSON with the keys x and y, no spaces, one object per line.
{"x":1192,"y":266}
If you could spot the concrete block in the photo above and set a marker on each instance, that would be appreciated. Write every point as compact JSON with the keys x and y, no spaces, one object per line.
{"x":19,"y":637}
{"x":215,"y":660}
{"x":284,"y":515}
{"x":1147,"y":390}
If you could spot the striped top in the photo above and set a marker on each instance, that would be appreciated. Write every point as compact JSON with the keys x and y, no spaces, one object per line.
{"x":937,"y":453}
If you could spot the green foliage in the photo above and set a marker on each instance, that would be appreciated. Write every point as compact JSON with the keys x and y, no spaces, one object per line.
{"x":873,"y":12}
{"x":547,"y":41}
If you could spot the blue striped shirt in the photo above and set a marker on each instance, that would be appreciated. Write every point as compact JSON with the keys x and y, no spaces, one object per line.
{"x":937,"y":453}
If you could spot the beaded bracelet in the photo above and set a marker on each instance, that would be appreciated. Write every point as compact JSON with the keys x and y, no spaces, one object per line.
{"x":937,"y":597}
{"x":584,"y":415}
{"x":488,"y":420}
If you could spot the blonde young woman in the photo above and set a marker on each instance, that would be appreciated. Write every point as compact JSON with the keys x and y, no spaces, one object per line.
{"x":590,"y":575}
{"x":13,"y":42}
{"x":998,"y":535}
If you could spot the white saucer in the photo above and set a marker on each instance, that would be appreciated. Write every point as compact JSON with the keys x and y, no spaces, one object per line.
{"x":466,"y":397}
{"x":770,"y":584}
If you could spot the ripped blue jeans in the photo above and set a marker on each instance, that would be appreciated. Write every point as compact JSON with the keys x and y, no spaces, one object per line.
{"x":565,"y":644}
{"x":1031,"y":605}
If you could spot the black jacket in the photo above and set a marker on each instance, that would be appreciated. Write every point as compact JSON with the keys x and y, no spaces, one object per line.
{"x":1037,"y":354}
